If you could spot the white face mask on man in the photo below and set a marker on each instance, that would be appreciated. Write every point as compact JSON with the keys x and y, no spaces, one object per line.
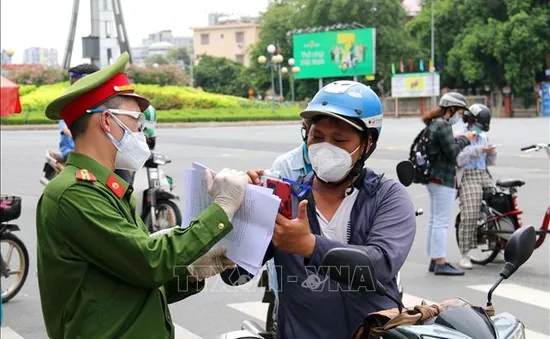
{"x":132,"y":149}
{"x":330,"y":163}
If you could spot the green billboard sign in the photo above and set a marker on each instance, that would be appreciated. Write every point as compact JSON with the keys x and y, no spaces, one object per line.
{"x":335,"y":54}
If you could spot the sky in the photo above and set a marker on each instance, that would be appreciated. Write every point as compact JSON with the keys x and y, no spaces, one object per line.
{"x":45,"y":23}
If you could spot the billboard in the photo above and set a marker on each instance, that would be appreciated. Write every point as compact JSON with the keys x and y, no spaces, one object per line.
{"x":415,"y":85}
{"x":335,"y":54}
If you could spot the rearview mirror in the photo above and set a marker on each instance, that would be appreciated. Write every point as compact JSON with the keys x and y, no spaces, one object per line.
{"x":350,"y":267}
{"x":518,"y":249}
{"x":405,"y":172}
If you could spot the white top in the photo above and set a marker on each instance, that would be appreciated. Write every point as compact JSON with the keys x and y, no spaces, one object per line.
{"x":338,"y":227}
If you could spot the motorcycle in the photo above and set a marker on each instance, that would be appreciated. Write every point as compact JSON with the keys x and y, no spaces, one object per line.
{"x":52,"y":167}
{"x":354,"y":268}
{"x":154,"y":198}
{"x":10,"y":209}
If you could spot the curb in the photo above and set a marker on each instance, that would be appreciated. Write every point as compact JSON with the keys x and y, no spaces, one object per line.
{"x":166,"y":125}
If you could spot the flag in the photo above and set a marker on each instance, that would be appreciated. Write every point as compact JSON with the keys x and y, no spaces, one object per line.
{"x":411,"y":65}
{"x":421,"y":66}
{"x":392,"y":68}
{"x":432,"y":66}
{"x":401,"y":66}
{"x":440,"y":66}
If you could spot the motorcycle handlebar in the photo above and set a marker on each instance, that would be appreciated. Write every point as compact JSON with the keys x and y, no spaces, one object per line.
{"x":528,"y":147}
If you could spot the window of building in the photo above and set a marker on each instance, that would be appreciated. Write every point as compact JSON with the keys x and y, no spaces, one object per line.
{"x":107,"y":29}
{"x":105,"y":5}
{"x":205,"y":39}
{"x":239,"y":58}
{"x":239,"y":37}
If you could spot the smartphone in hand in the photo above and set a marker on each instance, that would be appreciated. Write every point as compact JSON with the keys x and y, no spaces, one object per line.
{"x":283,"y":191}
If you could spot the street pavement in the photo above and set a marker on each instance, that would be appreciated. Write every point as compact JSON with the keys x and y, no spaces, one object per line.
{"x":219,"y":309}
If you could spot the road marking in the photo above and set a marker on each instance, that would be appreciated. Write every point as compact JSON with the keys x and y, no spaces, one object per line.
{"x":182,"y":333}
{"x":520,"y":293}
{"x":8,"y":333}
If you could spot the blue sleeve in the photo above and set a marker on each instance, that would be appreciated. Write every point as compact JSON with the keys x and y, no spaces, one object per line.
{"x":62,"y":125}
{"x":390,"y":238}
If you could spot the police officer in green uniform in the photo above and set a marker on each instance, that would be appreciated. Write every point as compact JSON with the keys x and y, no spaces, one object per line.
{"x":100,"y":274}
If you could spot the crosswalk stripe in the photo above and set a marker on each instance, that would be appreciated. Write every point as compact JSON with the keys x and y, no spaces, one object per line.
{"x":520,"y":293}
{"x":8,"y":333}
{"x":183,"y":333}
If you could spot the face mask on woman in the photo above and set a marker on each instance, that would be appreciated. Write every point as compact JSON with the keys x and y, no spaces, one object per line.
{"x":330,"y":163}
{"x":476,"y":129}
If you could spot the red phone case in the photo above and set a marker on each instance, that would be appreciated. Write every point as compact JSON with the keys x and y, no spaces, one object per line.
{"x":283,"y":191}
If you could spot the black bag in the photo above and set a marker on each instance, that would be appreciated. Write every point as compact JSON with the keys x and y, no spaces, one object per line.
{"x":418,"y":155}
{"x":10,"y":208}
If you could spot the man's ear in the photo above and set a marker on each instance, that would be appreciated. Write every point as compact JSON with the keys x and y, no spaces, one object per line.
{"x":105,"y":121}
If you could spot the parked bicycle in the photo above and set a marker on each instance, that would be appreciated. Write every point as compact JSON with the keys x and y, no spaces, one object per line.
{"x":500,"y":217}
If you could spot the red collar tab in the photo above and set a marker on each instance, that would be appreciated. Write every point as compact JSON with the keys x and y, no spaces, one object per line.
{"x":116,"y":187}
{"x":75,"y":109}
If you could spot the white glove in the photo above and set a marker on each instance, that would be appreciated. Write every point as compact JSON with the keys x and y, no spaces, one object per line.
{"x":210,"y":264}
{"x":227,"y":189}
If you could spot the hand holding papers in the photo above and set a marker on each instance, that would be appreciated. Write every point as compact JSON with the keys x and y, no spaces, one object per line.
{"x":253,"y":222}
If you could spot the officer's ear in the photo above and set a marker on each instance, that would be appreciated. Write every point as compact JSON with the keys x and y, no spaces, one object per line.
{"x":106,"y":121}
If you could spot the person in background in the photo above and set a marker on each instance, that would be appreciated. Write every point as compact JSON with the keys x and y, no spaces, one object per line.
{"x":66,"y":143}
{"x":472,"y":177}
{"x":294,"y":163}
{"x":291,"y":165}
{"x":442,"y":150}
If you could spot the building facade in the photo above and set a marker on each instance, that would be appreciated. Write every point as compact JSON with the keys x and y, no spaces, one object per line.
{"x":160,"y":43}
{"x":40,"y":56}
{"x":227,"y":36}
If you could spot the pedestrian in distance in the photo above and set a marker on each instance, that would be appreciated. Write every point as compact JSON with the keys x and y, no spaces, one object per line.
{"x":442,"y":150}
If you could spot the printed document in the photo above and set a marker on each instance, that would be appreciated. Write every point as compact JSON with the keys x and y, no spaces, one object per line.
{"x":253,"y":223}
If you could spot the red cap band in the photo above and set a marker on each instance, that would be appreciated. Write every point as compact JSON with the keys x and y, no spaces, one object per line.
{"x":77,"y":108}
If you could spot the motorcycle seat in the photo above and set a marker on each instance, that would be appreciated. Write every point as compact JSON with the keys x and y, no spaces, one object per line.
{"x":510,"y":183}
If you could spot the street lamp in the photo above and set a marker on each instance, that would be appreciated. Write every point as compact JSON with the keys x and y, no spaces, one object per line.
{"x":273,"y":59}
{"x":278,"y":60}
{"x":293,"y":70}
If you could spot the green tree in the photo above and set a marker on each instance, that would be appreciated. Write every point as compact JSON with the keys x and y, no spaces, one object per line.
{"x":156,"y":59}
{"x":221,"y":75}
{"x":492,"y":42}
{"x":388,"y":17}
{"x":177,"y":54}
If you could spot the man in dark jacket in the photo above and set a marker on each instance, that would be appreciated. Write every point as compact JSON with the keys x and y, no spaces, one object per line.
{"x":344,"y":205}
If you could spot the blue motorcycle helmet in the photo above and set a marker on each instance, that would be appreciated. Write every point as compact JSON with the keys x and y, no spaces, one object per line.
{"x":350,"y":101}
{"x":354,"y":103}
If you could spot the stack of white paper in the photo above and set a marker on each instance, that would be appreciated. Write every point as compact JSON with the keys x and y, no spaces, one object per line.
{"x":253,"y":223}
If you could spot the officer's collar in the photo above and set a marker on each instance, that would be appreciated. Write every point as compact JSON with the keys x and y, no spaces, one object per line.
{"x":110,"y":179}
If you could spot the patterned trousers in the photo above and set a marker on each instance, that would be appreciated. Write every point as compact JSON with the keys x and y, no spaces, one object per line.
{"x":471,"y":195}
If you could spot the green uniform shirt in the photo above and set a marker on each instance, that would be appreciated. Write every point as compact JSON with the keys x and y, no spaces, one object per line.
{"x":100,"y":274}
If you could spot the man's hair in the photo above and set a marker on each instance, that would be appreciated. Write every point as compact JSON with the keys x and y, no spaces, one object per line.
{"x":84,"y":69}
{"x":80,"y":126}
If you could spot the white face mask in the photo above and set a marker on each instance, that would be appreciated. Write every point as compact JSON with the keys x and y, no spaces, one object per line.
{"x":330,"y":163}
{"x":132,"y":149}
